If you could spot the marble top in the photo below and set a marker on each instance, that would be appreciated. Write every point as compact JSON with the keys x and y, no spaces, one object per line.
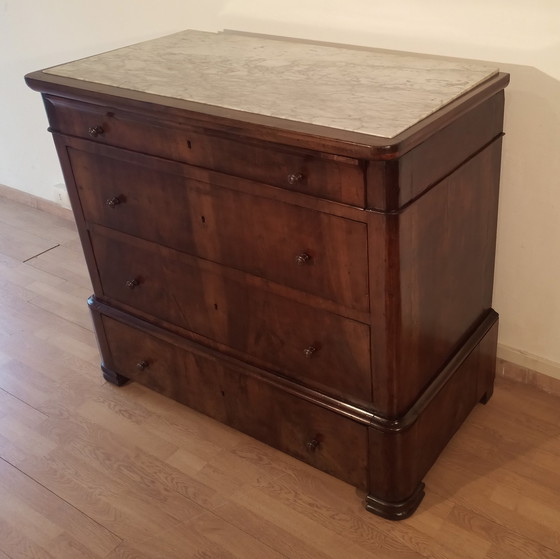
{"x":370,"y":91}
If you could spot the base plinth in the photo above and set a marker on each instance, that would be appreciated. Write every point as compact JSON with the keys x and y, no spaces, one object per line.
{"x":395,"y":511}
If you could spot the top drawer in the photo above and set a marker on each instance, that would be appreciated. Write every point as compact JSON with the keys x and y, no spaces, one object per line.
{"x":328,"y":176}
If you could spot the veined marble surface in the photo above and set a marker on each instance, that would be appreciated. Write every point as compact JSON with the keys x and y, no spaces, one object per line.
{"x":368,"y":91}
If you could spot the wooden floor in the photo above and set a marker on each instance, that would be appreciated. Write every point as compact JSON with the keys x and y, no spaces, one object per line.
{"x":89,"y":470}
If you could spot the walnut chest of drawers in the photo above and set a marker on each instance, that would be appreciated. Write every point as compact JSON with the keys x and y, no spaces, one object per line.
{"x":295,"y":239}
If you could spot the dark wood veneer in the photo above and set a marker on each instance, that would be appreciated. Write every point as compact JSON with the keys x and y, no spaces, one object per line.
{"x":327,"y":292}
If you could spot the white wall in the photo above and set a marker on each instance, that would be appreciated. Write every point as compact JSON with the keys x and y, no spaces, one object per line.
{"x":522,"y":37}
{"x":35,"y":34}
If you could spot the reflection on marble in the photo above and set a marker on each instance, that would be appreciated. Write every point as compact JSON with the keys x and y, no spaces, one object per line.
{"x":361,"y":90}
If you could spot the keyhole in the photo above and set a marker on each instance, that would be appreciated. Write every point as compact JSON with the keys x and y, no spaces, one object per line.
{"x":215,"y":306}
{"x":203,"y":219}
{"x":189,"y":145}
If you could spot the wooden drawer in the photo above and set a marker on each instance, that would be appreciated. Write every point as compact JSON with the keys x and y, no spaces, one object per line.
{"x":315,"y":347}
{"x":311,"y":251}
{"x":328,"y":176}
{"x":324,"y":439}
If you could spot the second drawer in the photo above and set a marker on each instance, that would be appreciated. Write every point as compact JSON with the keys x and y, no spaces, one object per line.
{"x":315,"y":347}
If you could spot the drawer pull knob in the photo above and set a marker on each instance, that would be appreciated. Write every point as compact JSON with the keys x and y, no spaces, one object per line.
{"x":302,"y":258}
{"x":309,"y":351}
{"x":295,"y":178}
{"x":142,"y":365}
{"x":112,"y":202}
{"x":95,"y":131}
{"x":312,"y":445}
{"x":131,"y":284}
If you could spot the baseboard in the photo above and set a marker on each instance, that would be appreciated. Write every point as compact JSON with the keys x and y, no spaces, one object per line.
{"x":528,"y":369}
{"x":15,"y":195}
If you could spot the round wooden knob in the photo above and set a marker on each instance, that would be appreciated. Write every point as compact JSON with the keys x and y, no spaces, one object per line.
{"x":95,"y":131}
{"x":112,"y":202}
{"x":309,"y":351}
{"x":142,"y":365}
{"x":302,"y":258}
{"x":295,"y":178}
{"x":131,"y":284}
{"x":312,"y":445}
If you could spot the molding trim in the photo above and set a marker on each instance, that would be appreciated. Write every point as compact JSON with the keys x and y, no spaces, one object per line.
{"x":528,"y":369}
{"x":21,"y":197}
{"x":395,"y":511}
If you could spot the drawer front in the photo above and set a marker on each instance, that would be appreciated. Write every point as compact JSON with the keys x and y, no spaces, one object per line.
{"x":311,"y":251}
{"x":341,"y":180}
{"x":315,"y":347}
{"x":324,"y":439}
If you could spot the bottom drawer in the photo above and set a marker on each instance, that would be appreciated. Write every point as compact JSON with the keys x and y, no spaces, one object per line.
{"x":323,"y":439}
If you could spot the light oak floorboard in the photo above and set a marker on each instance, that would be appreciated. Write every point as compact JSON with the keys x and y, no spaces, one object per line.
{"x":89,"y":470}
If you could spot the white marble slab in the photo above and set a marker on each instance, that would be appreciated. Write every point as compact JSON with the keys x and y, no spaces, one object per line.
{"x":361,"y":90}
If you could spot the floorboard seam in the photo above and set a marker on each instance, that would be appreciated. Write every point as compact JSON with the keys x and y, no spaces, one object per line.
{"x":40,"y":253}
{"x":81,"y":512}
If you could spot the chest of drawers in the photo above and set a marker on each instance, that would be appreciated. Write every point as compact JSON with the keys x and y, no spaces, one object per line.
{"x":320,"y":286}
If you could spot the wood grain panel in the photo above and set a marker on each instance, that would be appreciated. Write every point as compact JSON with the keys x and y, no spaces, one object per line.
{"x":439,"y":282}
